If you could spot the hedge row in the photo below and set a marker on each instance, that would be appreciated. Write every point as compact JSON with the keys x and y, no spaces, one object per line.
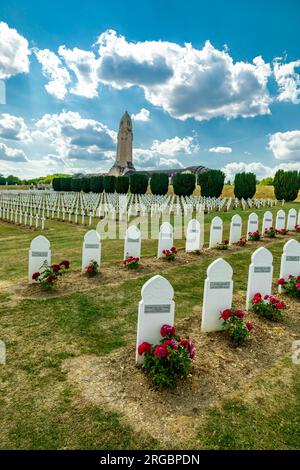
{"x":286,"y":184}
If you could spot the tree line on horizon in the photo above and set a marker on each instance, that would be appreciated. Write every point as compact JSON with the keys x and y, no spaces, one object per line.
{"x":286,"y":184}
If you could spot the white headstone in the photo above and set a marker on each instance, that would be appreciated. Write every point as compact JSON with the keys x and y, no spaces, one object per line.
{"x":290,"y":260}
{"x":91,"y":249}
{"x":292,"y":219}
{"x":155,"y":310}
{"x":252,"y":224}
{"x":267,"y":221}
{"x":132,"y":242}
{"x":194,"y":240}
{"x":39,"y":252}
{"x":216,"y":232}
{"x":217,"y":295}
{"x":280,"y":220}
{"x":165,"y":238}
{"x":235,"y":229}
{"x":260,"y":274}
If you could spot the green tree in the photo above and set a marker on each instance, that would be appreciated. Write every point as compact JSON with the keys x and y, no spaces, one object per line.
{"x":122,"y":184}
{"x":12,"y":180}
{"x":244,"y":185}
{"x":56,"y":184}
{"x":184,"y":184}
{"x":109,"y":183}
{"x":267,"y":181}
{"x":159,"y":183}
{"x":85,"y":184}
{"x":65,"y":184}
{"x":138,"y":183}
{"x":211,"y":183}
{"x":76,"y":185}
{"x":2,"y":180}
{"x":286,"y":185}
{"x":96,"y":184}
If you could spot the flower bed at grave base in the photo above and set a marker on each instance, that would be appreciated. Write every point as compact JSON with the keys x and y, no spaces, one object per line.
{"x":290,"y":285}
{"x":169,"y":361}
{"x":219,"y":370}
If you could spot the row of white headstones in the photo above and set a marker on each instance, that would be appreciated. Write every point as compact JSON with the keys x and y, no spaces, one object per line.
{"x":40,"y":250}
{"x":157,"y":306}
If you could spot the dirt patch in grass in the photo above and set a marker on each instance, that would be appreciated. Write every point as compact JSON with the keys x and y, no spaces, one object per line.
{"x":219,"y":371}
{"x":115,"y":273}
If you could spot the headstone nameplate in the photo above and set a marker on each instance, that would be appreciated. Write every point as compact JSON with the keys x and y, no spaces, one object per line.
{"x":293,"y":258}
{"x":157,"y":308}
{"x":40,"y":254}
{"x":262,"y":269}
{"x":219,"y":285}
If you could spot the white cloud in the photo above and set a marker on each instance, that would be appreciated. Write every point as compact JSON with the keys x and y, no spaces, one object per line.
{"x":142,"y":115}
{"x":220,"y":149}
{"x":11,"y":154}
{"x":58,"y":75}
{"x":184,"y":81}
{"x":162,"y":153}
{"x":76,"y":138}
{"x":83,"y":64}
{"x":13,"y":128}
{"x":14,"y":52}
{"x":285,"y":145}
{"x":260,"y":170}
{"x":288,"y":80}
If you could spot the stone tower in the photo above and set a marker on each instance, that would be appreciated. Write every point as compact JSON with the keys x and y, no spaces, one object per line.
{"x":123,"y":161}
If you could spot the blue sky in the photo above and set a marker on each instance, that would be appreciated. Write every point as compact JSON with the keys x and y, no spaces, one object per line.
{"x":210,"y":83}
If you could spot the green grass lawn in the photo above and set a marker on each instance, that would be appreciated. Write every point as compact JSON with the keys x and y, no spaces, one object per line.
{"x":41,"y":409}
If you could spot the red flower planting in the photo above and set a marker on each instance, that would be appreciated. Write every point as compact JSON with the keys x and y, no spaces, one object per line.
{"x":254,"y":236}
{"x":167,"y":362}
{"x":131,"y":262}
{"x":269,"y":307}
{"x":170,"y":254}
{"x":49,"y":275}
{"x":234,"y":324}
{"x":291,"y":285}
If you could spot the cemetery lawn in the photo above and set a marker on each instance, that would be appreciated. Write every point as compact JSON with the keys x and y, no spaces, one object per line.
{"x":69,"y":380}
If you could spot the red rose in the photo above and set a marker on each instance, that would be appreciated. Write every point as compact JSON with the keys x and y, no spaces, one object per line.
{"x":137,"y":259}
{"x":279,"y":305}
{"x":226,"y":314}
{"x":55,"y":267}
{"x":89,"y":269}
{"x":164,"y":252}
{"x":172,"y":343}
{"x":249,"y":326}
{"x":161,"y":351}
{"x":167,"y":252}
{"x":226,"y":242}
{"x":167,"y":330}
{"x":174,"y":249}
{"x":184,"y":343}
{"x":35,"y":276}
{"x":240,"y":313}
{"x":65,"y":263}
{"x":281,"y":281}
{"x":144,"y":348}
